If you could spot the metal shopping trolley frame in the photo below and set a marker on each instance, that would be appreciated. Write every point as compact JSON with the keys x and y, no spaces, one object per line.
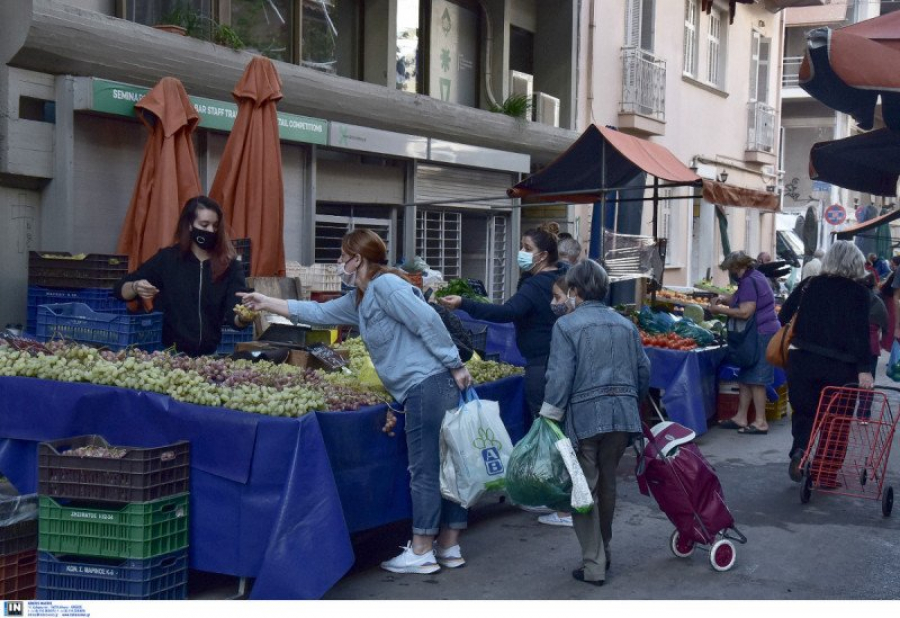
{"x":850,"y":444}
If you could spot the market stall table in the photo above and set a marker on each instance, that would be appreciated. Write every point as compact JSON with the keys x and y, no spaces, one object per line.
{"x":688,"y":382}
{"x":263,"y":497}
{"x":266,"y":493}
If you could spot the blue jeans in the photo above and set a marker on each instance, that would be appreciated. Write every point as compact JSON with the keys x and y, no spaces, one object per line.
{"x":425,"y":406}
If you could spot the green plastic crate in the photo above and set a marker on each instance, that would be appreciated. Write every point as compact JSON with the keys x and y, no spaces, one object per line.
{"x":137,"y":530}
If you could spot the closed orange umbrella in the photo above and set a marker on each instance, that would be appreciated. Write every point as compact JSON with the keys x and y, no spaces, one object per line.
{"x":168,"y":176}
{"x":249,"y":184}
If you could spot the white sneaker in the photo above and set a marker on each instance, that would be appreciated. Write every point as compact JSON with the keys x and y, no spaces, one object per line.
{"x":540,"y":510}
{"x":410,"y":562}
{"x":450,"y":557}
{"x":553,"y":519}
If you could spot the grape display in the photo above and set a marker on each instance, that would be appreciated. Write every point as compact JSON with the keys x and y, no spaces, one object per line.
{"x":245,"y":313}
{"x":96,"y":451}
{"x":260,"y":387}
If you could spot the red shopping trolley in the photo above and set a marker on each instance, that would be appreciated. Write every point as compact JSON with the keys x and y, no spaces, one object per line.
{"x":850,"y":445}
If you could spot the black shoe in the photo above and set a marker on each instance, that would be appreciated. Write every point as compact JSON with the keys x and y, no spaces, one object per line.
{"x":579,"y":575}
{"x":794,"y":469}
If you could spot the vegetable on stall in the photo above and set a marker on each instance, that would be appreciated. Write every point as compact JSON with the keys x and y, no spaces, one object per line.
{"x":460,"y":287}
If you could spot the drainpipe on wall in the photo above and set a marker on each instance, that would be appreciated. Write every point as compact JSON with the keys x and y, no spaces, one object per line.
{"x":489,"y":40}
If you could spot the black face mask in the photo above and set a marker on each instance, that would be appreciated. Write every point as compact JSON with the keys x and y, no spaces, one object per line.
{"x":205,"y":239}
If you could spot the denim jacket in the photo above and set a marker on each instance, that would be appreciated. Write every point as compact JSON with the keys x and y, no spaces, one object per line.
{"x":406,"y":339}
{"x":597,"y":373}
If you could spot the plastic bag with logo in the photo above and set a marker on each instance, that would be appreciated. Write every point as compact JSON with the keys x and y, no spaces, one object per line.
{"x":475,"y":450}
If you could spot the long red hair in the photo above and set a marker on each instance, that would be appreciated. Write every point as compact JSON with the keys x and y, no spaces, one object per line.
{"x":369,"y":245}
{"x":224,"y":252}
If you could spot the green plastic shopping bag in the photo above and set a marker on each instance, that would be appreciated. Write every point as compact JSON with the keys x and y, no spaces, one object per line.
{"x":536,"y":474}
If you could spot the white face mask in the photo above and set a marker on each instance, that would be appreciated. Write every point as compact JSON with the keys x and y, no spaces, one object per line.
{"x":570,"y":301}
{"x":348,"y":279}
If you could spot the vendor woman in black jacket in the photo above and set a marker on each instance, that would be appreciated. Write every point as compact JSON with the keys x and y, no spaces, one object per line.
{"x":528,"y":309}
{"x":194,"y":282}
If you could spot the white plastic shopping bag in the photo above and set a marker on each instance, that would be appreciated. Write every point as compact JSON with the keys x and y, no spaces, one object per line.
{"x":475,"y":449}
{"x":582,"y":500}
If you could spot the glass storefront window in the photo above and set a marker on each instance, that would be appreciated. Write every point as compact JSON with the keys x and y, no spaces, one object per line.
{"x":330,"y":35}
{"x":407,"y":45}
{"x":265,"y":26}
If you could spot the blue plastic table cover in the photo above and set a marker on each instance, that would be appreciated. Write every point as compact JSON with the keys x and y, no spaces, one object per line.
{"x":688,"y":382}
{"x":370,"y":467}
{"x":501,"y":338}
{"x":264,"y":502}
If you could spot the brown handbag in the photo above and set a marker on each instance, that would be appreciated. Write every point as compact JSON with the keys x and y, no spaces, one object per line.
{"x":780,"y":343}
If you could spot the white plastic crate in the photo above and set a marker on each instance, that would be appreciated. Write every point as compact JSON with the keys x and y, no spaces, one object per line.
{"x":316,"y":278}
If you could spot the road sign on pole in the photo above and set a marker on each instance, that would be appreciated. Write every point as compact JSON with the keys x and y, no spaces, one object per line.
{"x":835,"y":214}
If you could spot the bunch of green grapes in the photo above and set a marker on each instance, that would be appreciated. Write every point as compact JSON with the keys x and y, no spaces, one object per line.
{"x":491,"y":371}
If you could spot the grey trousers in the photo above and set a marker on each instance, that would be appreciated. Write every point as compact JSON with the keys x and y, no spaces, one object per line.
{"x":599,"y":457}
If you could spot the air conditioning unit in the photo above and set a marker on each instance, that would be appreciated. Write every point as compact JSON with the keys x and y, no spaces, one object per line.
{"x":546,"y":109}
{"x":521,"y":84}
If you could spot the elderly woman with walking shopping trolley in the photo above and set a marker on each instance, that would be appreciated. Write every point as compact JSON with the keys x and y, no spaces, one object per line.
{"x":596,"y":376}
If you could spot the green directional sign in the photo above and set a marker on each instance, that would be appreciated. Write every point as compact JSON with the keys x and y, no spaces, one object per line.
{"x":116,"y":98}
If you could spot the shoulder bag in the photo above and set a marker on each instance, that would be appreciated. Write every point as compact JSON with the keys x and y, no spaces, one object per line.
{"x":743,"y":340}
{"x":780,"y":343}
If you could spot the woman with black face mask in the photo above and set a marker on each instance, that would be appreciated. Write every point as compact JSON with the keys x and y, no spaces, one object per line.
{"x":194,"y":282}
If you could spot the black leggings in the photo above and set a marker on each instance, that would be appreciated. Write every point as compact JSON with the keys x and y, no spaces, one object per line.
{"x":535,"y":381}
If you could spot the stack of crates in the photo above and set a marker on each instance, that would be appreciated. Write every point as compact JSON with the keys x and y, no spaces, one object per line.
{"x":18,"y":546}
{"x":56,"y":277}
{"x":113,"y":520}
{"x":727,"y":403}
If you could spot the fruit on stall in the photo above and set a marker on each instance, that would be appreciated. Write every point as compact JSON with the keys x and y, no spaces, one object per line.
{"x":245,"y":313}
{"x":670,"y":341}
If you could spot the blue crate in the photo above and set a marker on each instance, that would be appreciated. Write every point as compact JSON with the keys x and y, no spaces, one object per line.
{"x":72,"y":577}
{"x":232,"y":336}
{"x":78,"y":322}
{"x":98,"y":299}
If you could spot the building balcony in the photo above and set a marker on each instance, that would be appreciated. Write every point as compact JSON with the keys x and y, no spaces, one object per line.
{"x":643,"y":106}
{"x":760,"y":133}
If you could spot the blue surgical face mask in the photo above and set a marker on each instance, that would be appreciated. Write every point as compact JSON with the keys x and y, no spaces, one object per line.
{"x":559,"y":309}
{"x":525,"y":260}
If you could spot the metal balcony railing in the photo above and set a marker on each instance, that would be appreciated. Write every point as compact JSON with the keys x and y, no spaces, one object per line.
{"x":760,"y":127}
{"x":643,"y":83}
{"x":790,"y":74}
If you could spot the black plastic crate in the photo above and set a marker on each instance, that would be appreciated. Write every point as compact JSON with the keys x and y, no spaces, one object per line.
{"x":141,"y":475}
{"x":73,"y":577}
{"x":242,"y":246}
{"x":59,"y":269}
{"x":478,"y":337}
{"x":19,"y":537}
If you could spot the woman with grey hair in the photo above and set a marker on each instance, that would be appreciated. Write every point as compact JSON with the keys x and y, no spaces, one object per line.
{"x":753,"y":297}
{"x":569,"y":251}
{"x":596,"y":377}
{"x":831,"y":340}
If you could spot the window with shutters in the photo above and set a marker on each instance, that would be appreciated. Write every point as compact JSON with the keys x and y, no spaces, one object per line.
{"x":498,"y":250}
{"x":759,"y":68}
{"x":715,"y":49}
{"x":333,"y":221}
{"x":639,"y":18}
{"x":438,"y":241}
{"x":691,"y":33}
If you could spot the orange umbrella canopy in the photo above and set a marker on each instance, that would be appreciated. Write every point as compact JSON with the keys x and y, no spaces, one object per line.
{"x":168,"y":176}
{"x":249,"y":184}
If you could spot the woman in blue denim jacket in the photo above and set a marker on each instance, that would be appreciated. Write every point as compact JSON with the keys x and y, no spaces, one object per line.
{"x":596,"y":376}
{"x":419,"y":365}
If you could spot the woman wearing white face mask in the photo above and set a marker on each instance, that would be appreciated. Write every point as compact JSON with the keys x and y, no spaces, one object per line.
{"x":419,"y":365}
{"x":528,"y":309}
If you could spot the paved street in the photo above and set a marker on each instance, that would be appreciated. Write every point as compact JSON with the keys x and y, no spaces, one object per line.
{"x":835,"y":547}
